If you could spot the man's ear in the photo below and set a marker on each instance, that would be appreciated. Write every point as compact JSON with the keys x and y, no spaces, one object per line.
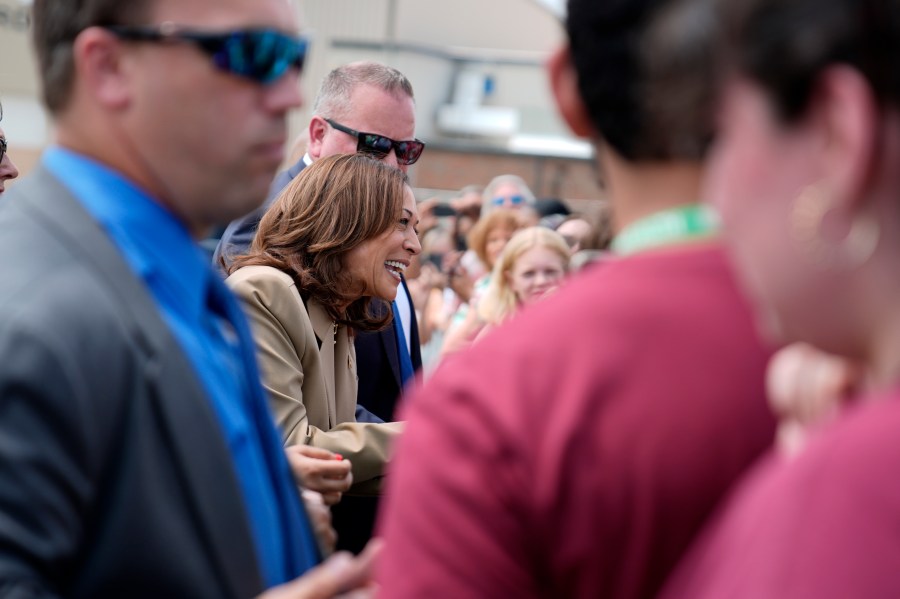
{"x":564,"y":83}
{"x":317,"y":130}
{"x":102,"y":68}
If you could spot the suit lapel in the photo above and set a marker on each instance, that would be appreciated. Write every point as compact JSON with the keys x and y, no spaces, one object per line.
{"x":191,"y":426}
{"x":323,"y":326}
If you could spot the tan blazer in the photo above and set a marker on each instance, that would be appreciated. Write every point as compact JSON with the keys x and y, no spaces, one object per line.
{"x":312,"y":391}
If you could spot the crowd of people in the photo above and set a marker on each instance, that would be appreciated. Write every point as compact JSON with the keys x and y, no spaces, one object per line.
{"x":689,"y":393}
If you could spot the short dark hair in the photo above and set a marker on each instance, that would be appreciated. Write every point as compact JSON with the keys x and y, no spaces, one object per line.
{"x":331,"y":207}
{"x":606,"y":40}
{"x":784,"y":45}
{"x":56,"y":24}
{"x":680,"y":90}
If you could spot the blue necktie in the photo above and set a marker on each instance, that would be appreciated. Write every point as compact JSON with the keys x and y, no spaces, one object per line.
{"x":406,"y":365}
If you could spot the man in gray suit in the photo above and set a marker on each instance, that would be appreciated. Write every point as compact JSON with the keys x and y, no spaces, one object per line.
{"x":139,"y":459}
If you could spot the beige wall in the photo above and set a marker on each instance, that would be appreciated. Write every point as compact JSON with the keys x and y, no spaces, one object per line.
{"x":23,"y":122}
{"x":488,"y":31}
{"x":17,"y":74}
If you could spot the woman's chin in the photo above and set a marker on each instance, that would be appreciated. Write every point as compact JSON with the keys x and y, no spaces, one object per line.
{"x":387,"y":294}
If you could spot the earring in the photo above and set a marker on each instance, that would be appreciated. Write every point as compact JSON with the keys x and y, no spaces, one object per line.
{"x":811,"y":206}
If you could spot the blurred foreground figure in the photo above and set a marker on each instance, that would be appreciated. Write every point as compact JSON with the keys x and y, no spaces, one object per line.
{"x":807,"y":179}
{"x":139,"y":456}
{"x":576,"y":450}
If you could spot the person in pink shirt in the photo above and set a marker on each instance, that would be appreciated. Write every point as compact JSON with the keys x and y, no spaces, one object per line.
{"x":577,"y":450}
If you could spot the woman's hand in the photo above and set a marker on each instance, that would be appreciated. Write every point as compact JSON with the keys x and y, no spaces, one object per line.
{"x":320,"y":470}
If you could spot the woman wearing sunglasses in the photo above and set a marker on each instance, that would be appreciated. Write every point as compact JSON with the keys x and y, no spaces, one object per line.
{"x":341,"y":233}
{"x":806,"y":176}
{"x":8,"y":170}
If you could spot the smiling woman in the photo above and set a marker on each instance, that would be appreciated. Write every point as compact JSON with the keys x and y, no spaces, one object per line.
{"x":338,"y":236}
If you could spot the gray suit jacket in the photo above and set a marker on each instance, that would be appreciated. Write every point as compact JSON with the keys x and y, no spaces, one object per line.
{"x":115,"y":479}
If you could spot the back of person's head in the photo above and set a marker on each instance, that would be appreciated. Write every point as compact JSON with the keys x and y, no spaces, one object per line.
{"x":506,"y":191}
{"x":549,"y":206}
{"x":331,"y":207}
{"x":333,"y":99}
{"x":468,"y":202}
{"x":678,"y":57}
{"x":500,"y":301}
{"x":783,"y":45}
{"x":551,"y":212}
{"x":471,"y":190}
{"x":56,"y":24}
{"x":606,"y":44}
{"x":584,"y":232}
{"x":500,"y":219}
{"x":438,"y":240}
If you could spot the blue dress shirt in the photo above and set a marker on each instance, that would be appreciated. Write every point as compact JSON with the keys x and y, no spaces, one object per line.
{"x":207,"y":322}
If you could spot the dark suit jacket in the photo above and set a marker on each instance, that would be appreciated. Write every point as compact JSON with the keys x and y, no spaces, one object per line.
{"x":378,"y":367}
{"x":378,"y":363}
{"x":115,"y":479}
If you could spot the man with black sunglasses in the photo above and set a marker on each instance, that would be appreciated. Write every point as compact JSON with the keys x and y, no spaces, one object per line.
{"x":139,"y":456}
{"x":360,"y":107}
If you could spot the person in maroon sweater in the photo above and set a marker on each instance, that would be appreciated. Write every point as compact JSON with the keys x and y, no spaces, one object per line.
{"x":577,"y":450}
{"x":807,"y":179}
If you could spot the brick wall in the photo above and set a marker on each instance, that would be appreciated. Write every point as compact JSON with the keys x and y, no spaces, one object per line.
{"x":573,"y":180}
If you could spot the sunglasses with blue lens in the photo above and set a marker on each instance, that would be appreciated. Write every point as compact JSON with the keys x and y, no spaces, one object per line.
{"x":261,"y":55}
{"x":407,"y":152}
{"x":515,"y":200}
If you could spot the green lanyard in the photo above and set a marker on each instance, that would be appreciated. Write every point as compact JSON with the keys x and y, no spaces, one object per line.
{"x":683,"y":223}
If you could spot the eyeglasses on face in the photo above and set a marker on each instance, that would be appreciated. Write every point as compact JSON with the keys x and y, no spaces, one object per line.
{"x":371,"y":143}
{"x":261,"y":55}
{"x":515,"y":200}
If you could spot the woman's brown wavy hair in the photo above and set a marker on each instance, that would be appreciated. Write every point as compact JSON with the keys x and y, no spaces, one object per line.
{"x":331,"y":207}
